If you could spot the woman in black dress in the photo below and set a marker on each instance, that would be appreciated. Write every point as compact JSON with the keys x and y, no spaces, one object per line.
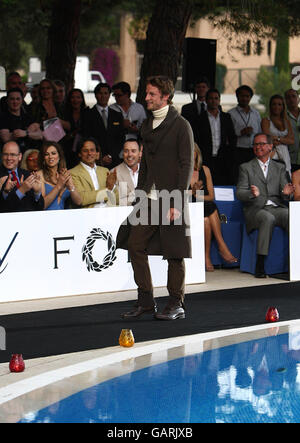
{"x":203,"y":189}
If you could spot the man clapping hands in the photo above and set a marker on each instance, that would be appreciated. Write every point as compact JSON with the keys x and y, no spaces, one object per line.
{"x":20,"y":190}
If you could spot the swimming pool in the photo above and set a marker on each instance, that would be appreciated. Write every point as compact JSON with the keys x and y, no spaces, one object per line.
{"x":251,"y":381}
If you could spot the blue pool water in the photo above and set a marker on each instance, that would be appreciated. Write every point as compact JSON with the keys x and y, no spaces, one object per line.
{"x":251,"y":382}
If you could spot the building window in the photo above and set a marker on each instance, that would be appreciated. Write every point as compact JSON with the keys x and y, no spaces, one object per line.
{"x":248,"y":48}
{"x":258,"y":47}
{"x":269,"y":48}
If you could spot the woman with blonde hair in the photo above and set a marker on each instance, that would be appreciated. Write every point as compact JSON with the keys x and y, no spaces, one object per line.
{"x":280,"y":128}
{"x":30,"y":160}
{"x":57,"y":182}
{"x":203,"y":190}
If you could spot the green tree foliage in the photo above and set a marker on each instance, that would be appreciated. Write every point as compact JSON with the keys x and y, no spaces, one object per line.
{"x":270,"y":82}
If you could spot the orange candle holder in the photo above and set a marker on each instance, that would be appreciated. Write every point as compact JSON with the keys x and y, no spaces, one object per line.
{"x":126,"y":338}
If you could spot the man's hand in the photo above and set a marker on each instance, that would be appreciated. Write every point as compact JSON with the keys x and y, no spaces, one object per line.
{"x":37,"y":184}
{"x":111,"y":180}
{"x":255,"y":191}
{"x":10,"y":184}
{"x":289,"y":189}
{"x":19,"y":133}
{"x":26,"y":185}
{"x":247,"y":131}
{"x":173,"y":214}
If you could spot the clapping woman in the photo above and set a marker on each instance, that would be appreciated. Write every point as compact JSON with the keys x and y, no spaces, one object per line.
{"x":57,"y":183}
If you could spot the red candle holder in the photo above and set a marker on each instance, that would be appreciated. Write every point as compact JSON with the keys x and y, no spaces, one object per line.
{"x":16,"y":363}
{"x":272,"y":315}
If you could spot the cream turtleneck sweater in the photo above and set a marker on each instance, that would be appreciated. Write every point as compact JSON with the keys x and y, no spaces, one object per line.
{"x":159,"y":117}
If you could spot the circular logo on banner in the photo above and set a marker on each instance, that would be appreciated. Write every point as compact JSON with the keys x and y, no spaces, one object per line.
{"x":87,"y":256}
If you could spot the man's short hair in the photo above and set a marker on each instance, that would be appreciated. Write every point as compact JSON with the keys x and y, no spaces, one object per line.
{"x":268,"y":137}
{"x":291,"y":89}
{"x":164,"y":84}
{"x":124,"y":87}
{"x":211,"y":91}
{"x":135,"y":140}
{"x":88,"y":139}
{"x":19,"y":90}
{"x":59,"y":83}
{"x":100,"y":86}
{"x":13,"y":74}
{"x":244,"y":88}
{"x":203,"y":79}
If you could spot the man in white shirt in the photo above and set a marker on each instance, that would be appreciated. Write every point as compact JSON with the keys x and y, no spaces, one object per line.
{"x":127,"y":173}
{"x":263,"y":187}
{"x":94,"y":183}
{"x":133,"y":113}
{"x":216,"y":139}
{"x":247,"y":122}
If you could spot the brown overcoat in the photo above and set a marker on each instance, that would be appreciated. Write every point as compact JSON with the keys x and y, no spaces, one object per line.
{"x":167,"y":162}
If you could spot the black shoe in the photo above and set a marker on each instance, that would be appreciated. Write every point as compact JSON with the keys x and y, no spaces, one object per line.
{"x":260,"y":274}
{"x":260,"y":267}
{"x":174,"y":313}
{"x":139,"y":311}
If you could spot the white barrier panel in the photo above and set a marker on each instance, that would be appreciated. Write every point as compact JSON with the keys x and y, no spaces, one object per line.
{"x":60,"y":253}
{"x":294,"y":241}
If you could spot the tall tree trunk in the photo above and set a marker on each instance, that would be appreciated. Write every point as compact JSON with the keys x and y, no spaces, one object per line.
{"x":62,"y":41}
{"x":164,"y":43}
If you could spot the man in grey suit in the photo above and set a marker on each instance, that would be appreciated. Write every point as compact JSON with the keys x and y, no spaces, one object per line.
{"x":127,"y":173}
{"x":263,"y":188}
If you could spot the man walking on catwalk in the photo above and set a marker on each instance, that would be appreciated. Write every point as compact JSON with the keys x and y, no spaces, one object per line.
{"x":159,"y":224}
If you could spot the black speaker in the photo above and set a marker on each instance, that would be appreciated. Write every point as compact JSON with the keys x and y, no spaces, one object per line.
{"x":199,"y":60}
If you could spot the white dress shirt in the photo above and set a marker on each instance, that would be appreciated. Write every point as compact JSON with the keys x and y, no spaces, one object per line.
{"x":93,"y":174}
{"x":215,"y":126}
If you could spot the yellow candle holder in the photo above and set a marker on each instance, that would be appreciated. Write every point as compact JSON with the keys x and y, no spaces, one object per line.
{"x":126,"y":338}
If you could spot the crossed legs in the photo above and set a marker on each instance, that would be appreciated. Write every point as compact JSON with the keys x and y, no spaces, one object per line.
{"x":212,"y":227}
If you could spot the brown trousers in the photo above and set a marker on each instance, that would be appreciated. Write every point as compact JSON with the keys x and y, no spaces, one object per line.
{"x":139,"y":238}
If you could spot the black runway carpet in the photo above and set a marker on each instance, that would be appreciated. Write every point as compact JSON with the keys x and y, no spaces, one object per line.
{"x":62,"y":331}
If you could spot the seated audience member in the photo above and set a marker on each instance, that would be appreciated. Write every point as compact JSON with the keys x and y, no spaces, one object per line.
{"x":192,"y":111}
{"x":133,"y":113}
{"x":94,"y":183}
{"x":263,"y":188}
{"x":293,"y":114}
{"x":57,"y":182}
{"x":47,"y":107}
{"x":21,"y":190}
{"x":280,"y":128}
{"x":106,"y":126}
{"x":76,"y":113}
{"x":203,"y":189}
{"x":247,"y":122}
{"x":128,"y":172}
{"x":16,"y":125}
{"x":13,"y":81}
{"x":30,"y":160}
{"x":217,"y":140}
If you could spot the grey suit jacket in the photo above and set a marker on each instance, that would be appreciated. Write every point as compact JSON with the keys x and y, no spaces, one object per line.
{"x":270,"y":188}
{"x":125,"y":185}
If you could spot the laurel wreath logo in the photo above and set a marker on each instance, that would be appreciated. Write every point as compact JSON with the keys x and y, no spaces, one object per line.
{"x":93,"y":265}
